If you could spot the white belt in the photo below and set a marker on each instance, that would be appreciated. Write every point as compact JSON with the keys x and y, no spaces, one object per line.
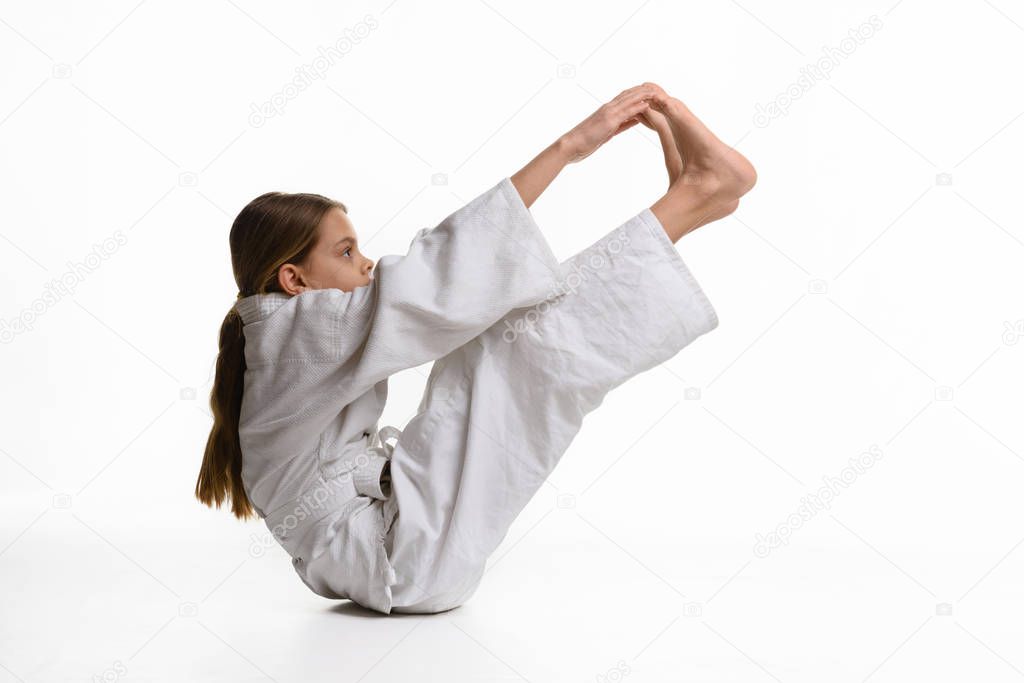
{"x":367,"y":474}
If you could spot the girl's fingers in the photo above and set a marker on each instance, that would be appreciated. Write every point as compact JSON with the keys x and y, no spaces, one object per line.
{"x":626,"y":125}
{"x":633,"y":109}
{"x":630,"y":94}
{"x":624,"y":94}
{"x":632,"y":118}
{"x":658,"y":93}
{"x":640,"y":93}
{"x":630,"y":107}
{"x":659,"y":99}
{"x":629,"y":117}
{"x":651,"y":91}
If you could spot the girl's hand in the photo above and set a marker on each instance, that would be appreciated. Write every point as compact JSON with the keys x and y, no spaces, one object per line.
{"x":609,"y":120}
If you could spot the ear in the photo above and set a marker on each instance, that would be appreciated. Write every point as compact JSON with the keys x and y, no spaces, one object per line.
{"x":291,"y":279}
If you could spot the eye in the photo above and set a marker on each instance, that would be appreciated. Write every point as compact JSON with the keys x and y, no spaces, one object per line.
{"x":348,"y":250}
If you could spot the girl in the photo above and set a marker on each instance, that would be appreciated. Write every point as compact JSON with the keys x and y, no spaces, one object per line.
{"x":524,"y":347}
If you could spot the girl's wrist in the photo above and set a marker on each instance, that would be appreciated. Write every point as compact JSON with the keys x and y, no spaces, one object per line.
{"x":566,"y":148}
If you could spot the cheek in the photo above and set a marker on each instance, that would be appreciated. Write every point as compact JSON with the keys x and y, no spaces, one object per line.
{"x":345,"y":267}
{"x":326,"y":268}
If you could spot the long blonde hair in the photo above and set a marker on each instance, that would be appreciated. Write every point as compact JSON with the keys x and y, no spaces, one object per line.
{"x":274,"y":229}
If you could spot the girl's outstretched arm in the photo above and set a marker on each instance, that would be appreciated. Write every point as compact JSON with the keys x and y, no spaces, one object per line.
{"x":534,"y":178}
{"x":610,"y":119}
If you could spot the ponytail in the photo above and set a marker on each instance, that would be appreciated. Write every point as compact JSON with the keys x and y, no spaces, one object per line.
{"x":220,"y":476}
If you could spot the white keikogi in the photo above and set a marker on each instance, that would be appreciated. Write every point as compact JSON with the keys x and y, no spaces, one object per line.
{"x":525,"y":346}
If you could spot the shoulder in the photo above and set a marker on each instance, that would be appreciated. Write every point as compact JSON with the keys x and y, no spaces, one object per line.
{"x":304,"y":327}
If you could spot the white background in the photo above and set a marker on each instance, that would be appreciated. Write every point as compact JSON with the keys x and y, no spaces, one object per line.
{"x":869,"y":291}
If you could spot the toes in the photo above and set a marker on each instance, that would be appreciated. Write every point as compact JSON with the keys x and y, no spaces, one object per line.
{"x":657,"y":89}
{"x":658,"y":96}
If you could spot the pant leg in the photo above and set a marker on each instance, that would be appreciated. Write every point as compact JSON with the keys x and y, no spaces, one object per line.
{"x":500,"y":411}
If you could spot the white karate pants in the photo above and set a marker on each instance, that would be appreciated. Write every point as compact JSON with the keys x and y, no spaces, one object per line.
{"x":500,"y":411}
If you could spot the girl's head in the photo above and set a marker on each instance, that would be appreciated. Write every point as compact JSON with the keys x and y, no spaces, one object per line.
{"x":280,"y":242}
{"x":293,"y":242}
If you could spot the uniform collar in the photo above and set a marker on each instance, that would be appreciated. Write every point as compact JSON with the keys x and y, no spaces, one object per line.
{"x":259,"y":306}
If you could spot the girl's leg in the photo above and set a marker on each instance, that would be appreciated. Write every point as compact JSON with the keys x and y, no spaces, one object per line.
{"x":500,"y":411}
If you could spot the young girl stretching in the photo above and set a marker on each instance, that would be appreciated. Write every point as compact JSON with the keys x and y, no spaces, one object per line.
{"x":523,"y":348}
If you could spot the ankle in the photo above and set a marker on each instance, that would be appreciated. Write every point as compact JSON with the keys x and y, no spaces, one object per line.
{"x":683,"y":209}
{"x":699,"y":187}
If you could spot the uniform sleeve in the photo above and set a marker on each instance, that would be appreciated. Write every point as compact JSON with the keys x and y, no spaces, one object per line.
{"x":457,"y":279}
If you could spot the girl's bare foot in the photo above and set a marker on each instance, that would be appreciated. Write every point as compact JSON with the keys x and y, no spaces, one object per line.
{"x":714,"y":175}
{"x":707,"y":160}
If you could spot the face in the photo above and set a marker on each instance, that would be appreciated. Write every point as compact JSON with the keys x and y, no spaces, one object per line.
{"x":334,"y":262}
